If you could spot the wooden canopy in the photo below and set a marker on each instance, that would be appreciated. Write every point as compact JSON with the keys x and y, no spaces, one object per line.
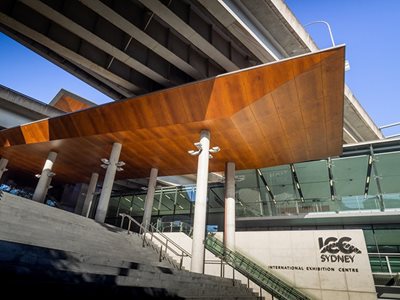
{"x":273,"y":114}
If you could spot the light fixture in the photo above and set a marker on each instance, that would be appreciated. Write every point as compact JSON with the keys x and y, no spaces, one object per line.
{"x":105,"y":161}
{"x":346,"y":65}
{"x":329,"y":29}
{"x":120,"y":164}
{"x":38,"y":175}
{"x":200,"y":148}
{"x":198,"y":151}
{"x":215,"y":149}
{"x":346,"y":62}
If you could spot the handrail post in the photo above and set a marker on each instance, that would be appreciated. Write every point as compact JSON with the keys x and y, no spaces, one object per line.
{"x":122,"y":220}
{"x":166,"y":246}
{"x":181,"y":262}
{"x":160,"y":258}
{"x":129,"y":225}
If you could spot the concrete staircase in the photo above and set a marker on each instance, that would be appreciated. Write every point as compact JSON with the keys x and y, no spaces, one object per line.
{"x":45,"y":251}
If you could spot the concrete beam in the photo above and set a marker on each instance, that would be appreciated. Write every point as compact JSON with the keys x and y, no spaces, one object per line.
{"x":242,"y":28}
{"x":140,"y":36}
{"x":26,"y":105}
{"x":127,"y":89}
{"x":297,"y":30}
{"x":359,"y":119}
{"x":93,"y":39}
{"x":188,"y":33}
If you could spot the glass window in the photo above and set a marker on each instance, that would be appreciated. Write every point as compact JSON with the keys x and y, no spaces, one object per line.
{"x":280,"y":181}
{"x":314,"y":180}
{"x":388,"y":166}
{"x":349,"y":175}
{"x":138,"y":205}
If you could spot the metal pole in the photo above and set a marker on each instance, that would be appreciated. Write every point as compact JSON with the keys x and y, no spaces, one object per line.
{"x":329,"y":29}
{"x":389,"y":125}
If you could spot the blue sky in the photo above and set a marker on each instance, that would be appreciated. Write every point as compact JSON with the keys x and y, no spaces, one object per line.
{"x":368,"y":28}
{"x":27,"y":72}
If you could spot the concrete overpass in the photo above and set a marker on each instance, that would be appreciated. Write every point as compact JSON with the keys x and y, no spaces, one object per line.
{"x":127,"y":48}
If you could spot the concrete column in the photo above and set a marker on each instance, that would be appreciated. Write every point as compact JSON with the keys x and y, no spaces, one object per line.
{"x":80,"y":197}
{"x":108,"y":183}
{"x":89,"y":194}
{"x":148,"y":204}
{"x":200,"y":210}
{"x":229,"y":228}
{"x":3,"y":165}
{"x":45,"y":178}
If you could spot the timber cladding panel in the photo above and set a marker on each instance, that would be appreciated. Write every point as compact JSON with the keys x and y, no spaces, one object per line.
{"x":273,"y":114}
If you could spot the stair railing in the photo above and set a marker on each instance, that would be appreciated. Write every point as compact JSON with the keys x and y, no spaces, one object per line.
{"x":148,"y":234}
{"x":266,"y":280}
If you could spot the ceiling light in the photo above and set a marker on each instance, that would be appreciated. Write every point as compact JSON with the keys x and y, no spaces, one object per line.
{"x":120,"y":164}
{"x":215,"y":149}
{"x":194,"y":152}
{"x":104,"y":166}
{"x":105,"y":161}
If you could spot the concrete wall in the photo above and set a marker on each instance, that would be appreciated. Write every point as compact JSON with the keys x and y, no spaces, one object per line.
{"x":295,"y":257}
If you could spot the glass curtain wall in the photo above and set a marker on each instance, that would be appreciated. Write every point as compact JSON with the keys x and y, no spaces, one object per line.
{"x":369,"y":182}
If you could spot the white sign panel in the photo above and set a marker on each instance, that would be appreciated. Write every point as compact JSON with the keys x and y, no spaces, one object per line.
{"x":325,"y":264}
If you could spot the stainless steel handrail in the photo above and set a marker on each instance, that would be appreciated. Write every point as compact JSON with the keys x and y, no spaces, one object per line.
{"x":143,"y":232}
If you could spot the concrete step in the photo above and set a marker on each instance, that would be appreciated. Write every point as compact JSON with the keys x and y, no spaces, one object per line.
{"x":32,"y":256}
{"x":77,"y":250}
{"x":170,"y":284}
{"x":69,"y":242}
{"x":65,"y":230}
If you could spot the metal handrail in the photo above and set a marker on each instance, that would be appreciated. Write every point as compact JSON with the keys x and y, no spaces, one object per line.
{"x":222,"y":262}
{"x":154,"y":229}
{"x":143,"y":231}
{"x":266,"y":280}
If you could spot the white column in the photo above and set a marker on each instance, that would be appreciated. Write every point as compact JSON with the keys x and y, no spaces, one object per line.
{"x":89,"y":194}
{"x":108,"y":183}
{"x":148,"y":204}
{"x":229,"y":227}
{"x":3,"y":166}
{"x":199,"y":226}
{"x":45,"y":178}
